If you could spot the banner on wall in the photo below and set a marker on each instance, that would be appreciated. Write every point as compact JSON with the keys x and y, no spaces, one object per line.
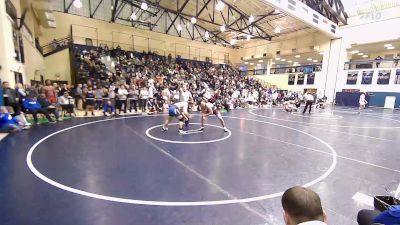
{"x":300,"y":79}
{"x":352,"y":77}
{"x":367,"y":77}
{"x":383,"y":77}
{"x":292,"y":77}
{"x":397,"y":77}
{"x":310,"y":78}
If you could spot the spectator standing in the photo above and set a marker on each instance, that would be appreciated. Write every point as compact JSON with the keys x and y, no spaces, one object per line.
{"x":122,"y":97}
{"x":78,"y":96}
{"x":89,"y":100}
{"x":10,"y":98}
{"x":50,"y":92}
{"x":98,"y":95}
{"x":133,"y":98}
{"x":378,"y":61}
{"x":396,"y":60}
{"x":302,"y":206}
{"x":144,"y":95}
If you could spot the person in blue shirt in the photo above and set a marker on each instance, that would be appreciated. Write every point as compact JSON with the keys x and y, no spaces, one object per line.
{"x":32,"y":106}
{"x":176,"y":111}
{"x":390,"y":216}
{"x":7,"y":122}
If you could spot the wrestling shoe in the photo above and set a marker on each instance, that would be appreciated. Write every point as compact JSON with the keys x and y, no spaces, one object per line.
{"x":164,"y":128}
{"x":201,"y":129}
{"x":225,"y":129}
{"x":187,"y":123}
{"x":180,"y":132}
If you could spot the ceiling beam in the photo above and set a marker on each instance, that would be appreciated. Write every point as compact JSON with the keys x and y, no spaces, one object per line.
{"x":177,"y":14}
{"x":114,"y":10}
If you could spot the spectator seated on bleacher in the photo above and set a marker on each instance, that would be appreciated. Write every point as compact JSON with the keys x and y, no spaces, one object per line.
{"x":390,"y":216}
{"x":32,"y":106}
{"x":9,"y":123}
{"x":51,"y":108}
{"x":67,"y":103}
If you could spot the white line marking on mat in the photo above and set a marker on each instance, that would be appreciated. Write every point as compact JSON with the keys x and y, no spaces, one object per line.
{"x":322,"y":124}
{"x":165,"y":203}
{"x":199,"y":175}
{"x":324,"y":152}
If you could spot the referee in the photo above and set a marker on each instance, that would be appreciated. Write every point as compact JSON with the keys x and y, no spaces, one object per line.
{"x":309,"y":98}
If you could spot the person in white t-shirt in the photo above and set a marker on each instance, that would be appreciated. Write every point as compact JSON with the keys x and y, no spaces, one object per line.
{"x":309,"y":98}
{"x":362,"y":103}
{"x":185,"y":96}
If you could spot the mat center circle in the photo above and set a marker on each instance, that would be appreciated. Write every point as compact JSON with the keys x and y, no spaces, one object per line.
{"x":211,"y":133}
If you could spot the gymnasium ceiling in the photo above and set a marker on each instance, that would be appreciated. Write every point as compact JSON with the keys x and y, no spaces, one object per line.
{"x":173,"y":17}
{"x":236,"y":15}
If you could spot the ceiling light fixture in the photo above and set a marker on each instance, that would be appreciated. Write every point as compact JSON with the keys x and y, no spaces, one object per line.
{"x":354,"y":52}
{"x":290,"y":61}
{"x":77,"y":4}
{"x":251,"y":63}
{"x":133,"y":16}
{"x":251,"y":19}
{"x":220,"y":6}
{"x":260,"y":60}
{"x":207,"y":35}
{"x":193,"y":20}
{"x":233,"y":41}
{"x":309,"y":59}
{"x":222,"y":28}
{"x":248,"y":37}
{"x":277,"y":29}
{"x":297,"y":56}
{"x":283,"y":60}
{"x":277,"y":58}
{"x":315,"y":60}
{"x":360,"y":53}
{"x":365,"y":56}
{"x":321,"y":53}
{"x":179,"y":27}
{"x":246,"y":63}
{"x":391,"y":48}
{"x":144,"y":6}
{"x":388,"y":45}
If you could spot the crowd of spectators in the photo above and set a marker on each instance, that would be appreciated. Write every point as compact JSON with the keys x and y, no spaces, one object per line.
{"x":146,"y":82}
{"x":113,"y":82}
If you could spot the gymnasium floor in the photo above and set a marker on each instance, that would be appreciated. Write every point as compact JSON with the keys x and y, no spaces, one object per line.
{"x":127,"y":171}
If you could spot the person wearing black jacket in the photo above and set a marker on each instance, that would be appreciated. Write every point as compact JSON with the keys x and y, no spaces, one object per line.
{"x":10,"y":98}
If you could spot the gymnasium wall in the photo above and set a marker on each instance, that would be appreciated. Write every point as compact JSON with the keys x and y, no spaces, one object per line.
{"x":285,"y":45}
{"x":58,"y":66}
{"x":373,"y":87}
{"x":281,"y":81}
{"x":33,"y":59}
{"x":126,"y":36}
